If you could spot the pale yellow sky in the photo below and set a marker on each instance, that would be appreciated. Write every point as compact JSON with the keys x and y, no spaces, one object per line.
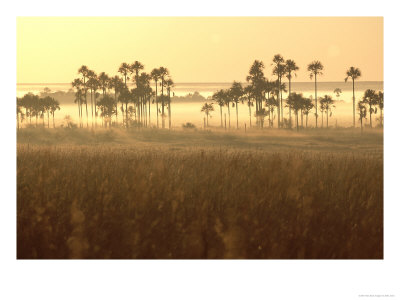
{"x":196,"y":49}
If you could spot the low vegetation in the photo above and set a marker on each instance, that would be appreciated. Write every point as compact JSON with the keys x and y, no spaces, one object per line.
{"x":161,"y":195}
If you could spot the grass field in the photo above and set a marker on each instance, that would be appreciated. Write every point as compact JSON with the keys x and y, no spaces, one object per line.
{"x":196,"y":194}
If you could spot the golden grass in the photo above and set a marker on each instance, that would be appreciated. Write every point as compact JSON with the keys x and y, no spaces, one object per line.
{"x":175,"y":201}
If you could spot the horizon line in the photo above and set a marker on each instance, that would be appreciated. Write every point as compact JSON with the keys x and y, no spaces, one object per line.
{"x":198,"y":82}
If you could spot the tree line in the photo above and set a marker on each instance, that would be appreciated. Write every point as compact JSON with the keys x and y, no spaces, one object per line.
{"x":114,"y":91}
{"x":31,"y":105}
{"x":267,"y":96}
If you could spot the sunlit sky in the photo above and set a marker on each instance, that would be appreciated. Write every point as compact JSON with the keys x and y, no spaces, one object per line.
{"x":196,"y":49}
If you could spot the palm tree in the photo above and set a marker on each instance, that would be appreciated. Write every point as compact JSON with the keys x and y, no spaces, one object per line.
{"x":248,"y":91}
{"x":84,"y":71}
{"x":207,"y":109}
{"x":78,"y":84}
{"x":124,"y":69}
{"x":169,"y":84}
{"x":307,"y":106}
{"x":256,"y":79}
{"x":315,"y":68}
{"x":125,"y":98}
{"x":370,"y":98}
{"x":279,"y":70}
{"x":117,"y":84}
{"x":337,"y":91}
{"x":155,"y":75}
{"x":55,"y":105}
{"x":362,"y":112}
{"x":380,"y":105}
{"x":163,"y":73}
{"x":219,"y":98}
{"x":236,"y":91}
{"x":20,"y":114}
{"x":92,"y":83}
{"x":107,"y":109}
{"x":353,"y":73}
{"x":135,"y":68}
{"x":327,"y":104}
{"x":291,"y":67}
{"x":295,"y":102}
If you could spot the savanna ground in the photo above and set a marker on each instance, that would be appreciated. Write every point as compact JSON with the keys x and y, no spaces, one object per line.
{"x":199,"y":194}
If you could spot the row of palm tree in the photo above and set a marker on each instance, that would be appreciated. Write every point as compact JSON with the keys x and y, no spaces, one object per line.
{"x":135,"y":102}
{"x":260,"y":90}
{"x":37,"y":107}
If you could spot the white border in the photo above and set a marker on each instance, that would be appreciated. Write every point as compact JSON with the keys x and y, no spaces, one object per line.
{"x":198,"y":279}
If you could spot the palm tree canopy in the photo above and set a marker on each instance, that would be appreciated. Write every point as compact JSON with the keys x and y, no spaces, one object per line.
{"x":236,"y":91}
{"x":315,"y":68}
{"x":370,"y":97}
{"x":256,"y":72}
{"x":291,"y":67}
{"x":207,"y":108}
{"x":352,"y":73}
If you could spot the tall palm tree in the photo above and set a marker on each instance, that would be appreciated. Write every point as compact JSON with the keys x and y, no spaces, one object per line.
{"x":353,"y":73}
{"x":169,"y":84}
{"x":78,"y":85}
{"x":55,"y":105}
{"x":256,"y":79}
{"x":135,"y":68}
{"x":315,"y":68}
{"x":92,"y":82}
{"x":117,"y":84}
{"x":236,"y":91}
{"x":219,"y":98}
{"x":155,"y":75}
{"x":248,"y":91}
{"x":370,"y":98}
{"x":163,"y":73}
{"x":291,"y":69}
{"x":279,"y":70}
{"x":207,"y":109}
{"x":124,"y":69}
{"x":380,"y":105}
{"x":84,"y":71}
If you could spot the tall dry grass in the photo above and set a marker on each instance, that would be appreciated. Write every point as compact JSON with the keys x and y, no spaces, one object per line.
{"x":121,"y":202}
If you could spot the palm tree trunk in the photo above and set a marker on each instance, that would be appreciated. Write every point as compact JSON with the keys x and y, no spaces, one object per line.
{"x":126,"y":115}
{"x":327,"y":119}
{"x":116,"y":109}
{"x":87,"y":116}
{"x":220,"y":110}
{"x":169,"y":110}
{"x":322,"y":120}
{"x":229,"y":114}
{"x":316,"y":103}
{"x":237,"y":116}
{"x":250,"y":113}
{"x":54,"y":125}
{"x":91,"y":104}
{"x":354,"y":107}
{"x":297,"y":120}
{"x":381,"y":119}
{"x":370,"y":115}
{"x":48,"y":119}
{"x":290,"y":109}
{"x":156,"y":104}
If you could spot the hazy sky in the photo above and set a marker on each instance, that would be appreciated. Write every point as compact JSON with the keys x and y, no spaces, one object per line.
{"x":196,"y":49}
